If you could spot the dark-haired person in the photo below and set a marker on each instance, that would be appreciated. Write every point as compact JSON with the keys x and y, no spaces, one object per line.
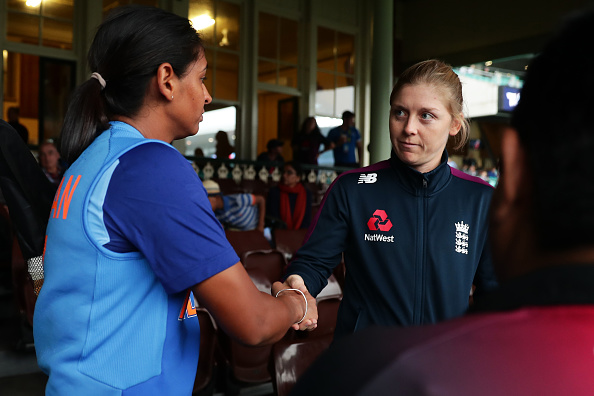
{"x":49,"y":160}
{"x":306,"y":144}
{"x":413,"y":231}
{"x":132,"y":238}
{"x":290,"y":201}
{"x":532,"y":336}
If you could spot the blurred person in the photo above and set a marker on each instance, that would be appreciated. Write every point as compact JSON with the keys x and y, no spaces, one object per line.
{"x":290,"y":201}
{"x":13,"y":119}
{"x":240,"y":211}
{"x":347,"y":142}
{"x":532,"y":336}
{"x":224,"y":148}
{"x":49,"y":160}
{"x":413,"y":230}
{"x":273,"y":153}
{"x":306,"y":144}
{"x":132,"y":237}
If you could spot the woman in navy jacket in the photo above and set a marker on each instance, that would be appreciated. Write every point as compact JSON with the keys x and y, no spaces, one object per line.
{"x":413,"y":230}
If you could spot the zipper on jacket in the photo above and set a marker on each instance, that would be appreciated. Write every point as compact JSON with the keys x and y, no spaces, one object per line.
{"x":419,"y":302}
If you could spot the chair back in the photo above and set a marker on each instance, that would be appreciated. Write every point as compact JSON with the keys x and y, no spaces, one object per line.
{"x":207,"y":364}
{"x":243,"y":241}
{"x":270,"y":262}
{"x":288,"y":241}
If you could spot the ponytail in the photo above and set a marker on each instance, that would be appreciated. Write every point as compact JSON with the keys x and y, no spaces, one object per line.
{"x":85,"y":120}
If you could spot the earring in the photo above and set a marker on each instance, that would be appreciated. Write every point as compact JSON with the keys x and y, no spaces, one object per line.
{"x":171,"y":96}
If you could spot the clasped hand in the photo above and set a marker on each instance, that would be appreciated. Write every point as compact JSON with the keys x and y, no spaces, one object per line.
{"x":310,"y":321}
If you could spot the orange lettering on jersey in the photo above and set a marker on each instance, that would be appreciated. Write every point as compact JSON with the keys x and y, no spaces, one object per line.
{"x":44,"y":245}
{"x":67,"y":197}
{"x":54,"y":211}
{"x":188,"y":309}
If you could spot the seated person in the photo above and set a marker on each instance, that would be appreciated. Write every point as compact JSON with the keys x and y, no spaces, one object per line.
{"x":290,"y":201}
{"x":274,"y":152}
{"x":50,"y":161}
{"x":241,"y":211}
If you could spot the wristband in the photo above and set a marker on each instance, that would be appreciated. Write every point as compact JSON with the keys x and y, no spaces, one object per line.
{"x":305,"y":298}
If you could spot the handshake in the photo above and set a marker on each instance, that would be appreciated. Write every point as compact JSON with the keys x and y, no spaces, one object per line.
{"x":310,"y":317}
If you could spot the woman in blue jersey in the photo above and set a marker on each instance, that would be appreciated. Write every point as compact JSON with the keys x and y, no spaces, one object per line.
{"x":132,"y":238}
{"x":413,"y":231}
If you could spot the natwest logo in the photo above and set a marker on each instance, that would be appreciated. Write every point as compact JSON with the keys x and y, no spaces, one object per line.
{"x":379,"y":221}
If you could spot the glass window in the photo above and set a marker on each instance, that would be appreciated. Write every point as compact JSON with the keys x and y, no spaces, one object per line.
{"x":56,"y":34}
{"x":288,"y":40}
{"x":219,"y":23}
{"x":227,"y":26}
{"x":214,"y":121}
{"x":46,"y":23}
{"x":226,"y":76}
{"x":267,"y":32}
{"x":336,"y":73}
{"x":109,"y":5}
{"x":278,"y":50}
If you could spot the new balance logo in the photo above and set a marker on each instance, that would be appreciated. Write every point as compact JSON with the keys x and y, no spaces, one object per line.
{"x":367,"y":178}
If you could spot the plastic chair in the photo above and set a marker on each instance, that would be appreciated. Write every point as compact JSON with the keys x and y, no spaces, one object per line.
{"x":293,"y":354}
{"x":288,"y":241}
{"x":246,"y":365}
{"x":292,"y":357}
{"x":204,"y":384}
{"x":243,"y":241}
{"x":270,"y":262}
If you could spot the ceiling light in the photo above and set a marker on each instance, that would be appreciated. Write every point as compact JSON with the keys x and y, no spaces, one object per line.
{"x":33,"y":3}
{"x":202,"y":22}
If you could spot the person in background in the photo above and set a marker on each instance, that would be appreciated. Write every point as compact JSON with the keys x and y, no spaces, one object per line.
{"x":534,"y":334}
{"x":290,"y":201}
{"x":347,"y":142}
{"x":413,"y":231}
{"x":13,"y":119}
{"x":306,"y":144}
{"x":224,"y":148}
{"x":49,"y":160}
{"x":132,"y":242}
{"x":273,"y":153}
{"x":240,"y":211}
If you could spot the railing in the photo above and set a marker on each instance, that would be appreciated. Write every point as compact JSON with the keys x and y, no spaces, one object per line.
{"x":240,"y":170}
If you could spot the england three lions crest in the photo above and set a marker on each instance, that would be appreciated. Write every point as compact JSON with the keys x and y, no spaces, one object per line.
{"x":461,"y":238}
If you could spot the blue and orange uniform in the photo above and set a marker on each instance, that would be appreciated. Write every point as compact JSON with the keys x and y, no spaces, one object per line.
{"x":130,"y":232}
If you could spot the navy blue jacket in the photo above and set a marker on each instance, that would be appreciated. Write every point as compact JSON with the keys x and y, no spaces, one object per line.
{"x":413,"y":244}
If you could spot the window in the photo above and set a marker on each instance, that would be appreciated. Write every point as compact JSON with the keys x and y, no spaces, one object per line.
{"x":41,"y":23}
{"x":218,"y":22}
{"x":109,"y":5}
{"x":335,"y":73}
{"x":277,"y":50}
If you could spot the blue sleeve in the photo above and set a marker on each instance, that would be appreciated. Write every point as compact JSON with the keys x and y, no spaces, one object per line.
{"x":156,"y":204}
{"x":357,"y":134}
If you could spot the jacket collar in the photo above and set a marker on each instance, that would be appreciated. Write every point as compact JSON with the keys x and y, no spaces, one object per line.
{"x":417,"y":182}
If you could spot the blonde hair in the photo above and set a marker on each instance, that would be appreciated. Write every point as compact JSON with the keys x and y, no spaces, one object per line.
{"x":440,"y":75}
